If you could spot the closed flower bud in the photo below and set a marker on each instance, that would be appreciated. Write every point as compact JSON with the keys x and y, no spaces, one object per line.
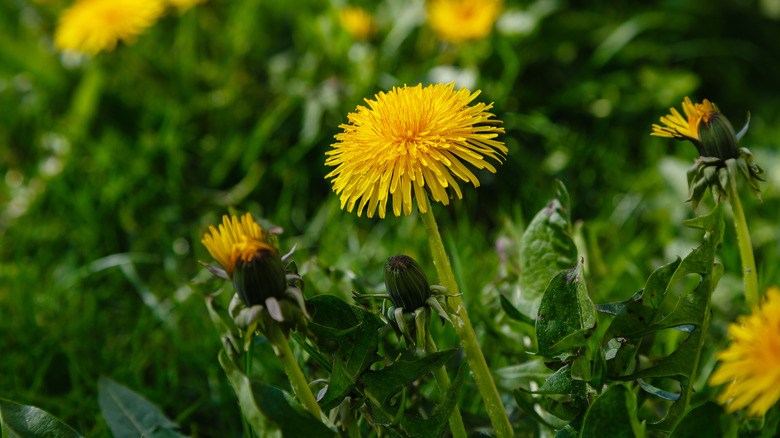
{"x":258,"y":276}
{"x":406,"y":283}
{"x":717,"y":137}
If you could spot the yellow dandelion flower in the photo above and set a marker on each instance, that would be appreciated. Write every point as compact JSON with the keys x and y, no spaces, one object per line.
{"x":456,"y":21}
{"x":408,"y":138}
{"x":686,"y":128}
{"x":94,"y":25}
{"x":750,"y":366}
{"x":234,"y":240}
{"x":357,"y":22}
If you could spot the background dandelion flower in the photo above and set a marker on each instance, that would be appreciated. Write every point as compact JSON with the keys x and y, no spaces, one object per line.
{"x":410,"y":138}
{"x":750,"y":366}
{"x":456,"y":21}
{"x":233,"y":239}
{"x":92,"y":26}
{"x":357,"y":22}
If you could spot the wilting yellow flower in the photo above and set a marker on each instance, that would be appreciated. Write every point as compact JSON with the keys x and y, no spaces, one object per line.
{"x":751,"y":364}
{"x":234,"y":240}
{"x":359,"y":23}
{"x":410,"y":137}
{"x":460,"y":20}
{"x":95,"y":25}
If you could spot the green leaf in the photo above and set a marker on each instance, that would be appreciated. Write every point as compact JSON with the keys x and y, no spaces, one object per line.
{"x":263,"y":405}
{"x":30,"y":422}
{"x":690,"y":311}
{"x":567,"y":432}
{"x":566,"y":316}
{"x":389,"y":380}
{"x":129,"y":415}
{"x":613,"y":414}
{"x":707,"y":419}
{"x":546,"y":248}
{"x":525,"y":402}
{"x":433,"y":426}
{"x":354,"y":330}
{"x":512,"y":312}
{"x":562,"y":383}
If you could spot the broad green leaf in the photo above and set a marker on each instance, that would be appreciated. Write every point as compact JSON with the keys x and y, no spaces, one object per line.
{"x":546,"y":248}
{"x":385,"y":382}
{"x":562,"y":383}
{"x":262,"y":405}
{"x":690,"y":313}
{"x":129,"y":415}
{"x":433,"y":426}
{"x":613,"y":415}
{"x":19,"y":421}
{"x":706,"y":420}
{"x":566,"y":316}
{"x":354,"y":330}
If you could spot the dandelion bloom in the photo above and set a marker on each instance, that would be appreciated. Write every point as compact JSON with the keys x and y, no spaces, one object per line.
{"x":94,"y":25}
{"x":234,"y":240}
{"x":359,"y":23}
{"x":408,"y":138}
{"x":686,"y":128}
{"x":750,"y":366}
{"x":456,"y":21}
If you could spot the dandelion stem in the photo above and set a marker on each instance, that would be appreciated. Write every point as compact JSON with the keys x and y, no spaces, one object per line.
{"x":743,"y":240}
{"x":298,"y":381}
{"x":248,"y":431}
{"x":468,"y":338}
{"x":443,"y":380}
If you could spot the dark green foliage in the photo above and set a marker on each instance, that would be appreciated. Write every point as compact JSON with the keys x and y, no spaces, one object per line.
{"x":18,"y":421}
{"x":130,"y":415}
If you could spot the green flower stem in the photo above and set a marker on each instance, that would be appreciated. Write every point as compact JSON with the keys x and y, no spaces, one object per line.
{"x":744,"y":243}
{"x":294,"y":373}
{"x":487,"y":387}
{"x":248,"y":431}
{"x":443,"y":380}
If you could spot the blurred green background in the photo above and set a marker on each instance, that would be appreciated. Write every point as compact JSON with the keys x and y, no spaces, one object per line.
{"x":112,"y":167}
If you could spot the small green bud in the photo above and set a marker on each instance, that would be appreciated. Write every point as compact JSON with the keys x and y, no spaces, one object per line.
{"x":259,"y":277}
{"x":717,"y":137}
{"x":406,"y":283}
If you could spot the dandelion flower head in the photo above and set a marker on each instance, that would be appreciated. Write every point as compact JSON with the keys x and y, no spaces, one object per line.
{"x":410,"y":139}
{"x":750,"y":365}
{"x":686,"y":128}
{"x":357,"y":22}
{"x":234,"y":240}
{"x":92,"y":26}
{"x":456,"y":21}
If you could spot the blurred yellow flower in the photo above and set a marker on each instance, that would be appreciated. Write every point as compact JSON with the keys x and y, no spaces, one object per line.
{"x":92,"y":26}
{"x":359,"y":23}
{"x":686,"y":128}
{"x":410,"y":137}
{"x":750,"y":366}
{"x":236,"y":239}
{"x":456,"y":21}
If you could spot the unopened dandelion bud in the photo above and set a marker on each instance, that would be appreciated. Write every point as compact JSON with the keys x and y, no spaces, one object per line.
{"x":259,"y":276}
{"x":717,"y":137}
{"x":406,"y":283}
